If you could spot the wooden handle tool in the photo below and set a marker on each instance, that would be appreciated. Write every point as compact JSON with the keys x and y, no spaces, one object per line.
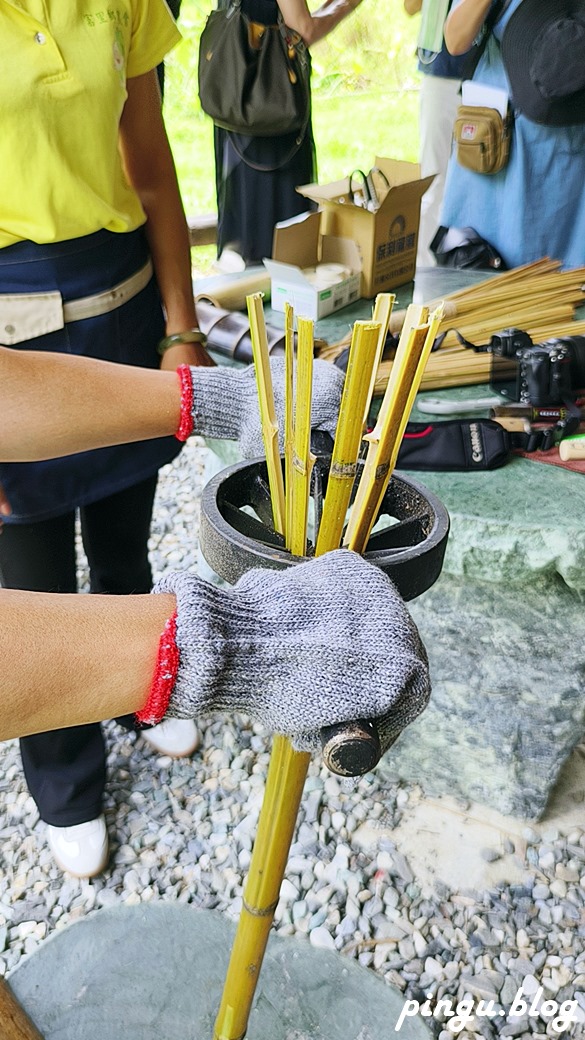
{"x":14,"y":1021}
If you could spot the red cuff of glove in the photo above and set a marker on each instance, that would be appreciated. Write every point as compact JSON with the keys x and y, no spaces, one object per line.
{"x":186,"y":422}
{"x":165,"y":675}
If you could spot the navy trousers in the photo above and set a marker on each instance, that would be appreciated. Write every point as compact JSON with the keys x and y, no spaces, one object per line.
{"x":66,"y":769}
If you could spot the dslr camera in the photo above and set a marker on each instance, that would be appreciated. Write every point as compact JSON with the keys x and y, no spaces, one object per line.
{"x":539,"y":374}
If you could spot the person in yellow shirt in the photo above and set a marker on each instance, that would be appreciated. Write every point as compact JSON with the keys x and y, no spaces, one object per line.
{"x":94,"y":260}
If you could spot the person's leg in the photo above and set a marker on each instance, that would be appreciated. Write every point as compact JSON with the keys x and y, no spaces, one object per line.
{"x":115,"y":534}
{"x":439,"y":99}
{"x":64,"y":769}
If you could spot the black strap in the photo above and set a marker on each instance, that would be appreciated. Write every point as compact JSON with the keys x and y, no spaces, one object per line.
{"x":268,"y":167}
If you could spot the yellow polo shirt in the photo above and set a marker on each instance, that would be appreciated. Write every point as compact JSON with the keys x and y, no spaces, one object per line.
{"x":62,"y":91}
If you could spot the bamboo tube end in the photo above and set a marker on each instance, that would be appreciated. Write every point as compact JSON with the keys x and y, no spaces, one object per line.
{"x":351,"y":748}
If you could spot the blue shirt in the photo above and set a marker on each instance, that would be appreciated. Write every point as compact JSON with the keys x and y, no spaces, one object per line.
{"x":535,"y":206}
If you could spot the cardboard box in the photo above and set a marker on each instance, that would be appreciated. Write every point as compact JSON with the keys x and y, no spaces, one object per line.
{"x":387,"y":239}
{"x":298,"y":245}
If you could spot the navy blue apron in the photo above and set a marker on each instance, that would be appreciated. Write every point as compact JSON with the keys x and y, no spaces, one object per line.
{"x":128,"y":335}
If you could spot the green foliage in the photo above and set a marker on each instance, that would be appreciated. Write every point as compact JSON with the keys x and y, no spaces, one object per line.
{"x":365,"y":97}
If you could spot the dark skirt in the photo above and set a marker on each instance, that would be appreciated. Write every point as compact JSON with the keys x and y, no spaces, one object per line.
{"x":251,"y":201}
{"x":128,"y":335}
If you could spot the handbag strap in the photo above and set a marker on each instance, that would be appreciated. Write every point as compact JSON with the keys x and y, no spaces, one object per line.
{"x":269,"y":167}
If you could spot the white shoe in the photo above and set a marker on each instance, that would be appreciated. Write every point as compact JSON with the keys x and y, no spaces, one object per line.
{"x":177,"y":738}
{"x":81,"y":850}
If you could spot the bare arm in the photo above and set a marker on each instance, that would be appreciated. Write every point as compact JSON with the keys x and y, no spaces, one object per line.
{"x":65,"y":404}
{"x":149,"y":166}
{"x":315,"y":26}
{"x":68,"y":660}
{"x":464,"y":23}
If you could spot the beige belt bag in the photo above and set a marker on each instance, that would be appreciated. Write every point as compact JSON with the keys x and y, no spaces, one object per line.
{"x":25,"y":316}
{"x":482,"y":138}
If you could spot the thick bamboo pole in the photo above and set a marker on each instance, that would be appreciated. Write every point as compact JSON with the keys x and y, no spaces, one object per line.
{"x":284,"y":789}
{"x":14,"y":1022}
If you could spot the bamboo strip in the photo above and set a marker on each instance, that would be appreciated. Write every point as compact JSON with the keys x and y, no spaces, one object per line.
{"x":384,"y":440}
{"x":348,"y":435}
{"x":382,"y":314}
{"x":266,"y":404}
{"x":289,"y":354}
{"x":302,"y":457}
{"x":415,"y":316}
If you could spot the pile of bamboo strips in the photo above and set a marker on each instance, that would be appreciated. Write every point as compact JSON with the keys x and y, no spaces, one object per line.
{"x":538,"y":298}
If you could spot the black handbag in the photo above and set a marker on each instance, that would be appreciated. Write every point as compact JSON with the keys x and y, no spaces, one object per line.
{"x":253,"y":79}
{"x":464,"y":248}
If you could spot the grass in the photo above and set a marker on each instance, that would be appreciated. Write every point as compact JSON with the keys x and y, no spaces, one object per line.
{"x":365,"y":100}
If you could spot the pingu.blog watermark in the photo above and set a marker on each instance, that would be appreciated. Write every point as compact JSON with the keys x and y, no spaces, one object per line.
{"x":460,"y":1015}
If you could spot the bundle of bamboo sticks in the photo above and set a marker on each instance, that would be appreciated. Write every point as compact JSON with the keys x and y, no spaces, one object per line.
{"x":289,"y":494}
{"x":538,"y":298}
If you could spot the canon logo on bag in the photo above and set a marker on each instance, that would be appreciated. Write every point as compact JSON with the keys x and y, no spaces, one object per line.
{"x":476,"y":444}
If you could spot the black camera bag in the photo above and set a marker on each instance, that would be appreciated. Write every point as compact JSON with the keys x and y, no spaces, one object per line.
{"x":454,"y":444}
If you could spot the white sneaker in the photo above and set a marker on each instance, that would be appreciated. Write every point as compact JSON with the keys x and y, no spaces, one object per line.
{"x":177,"y":738}
{"x":81,"y":850}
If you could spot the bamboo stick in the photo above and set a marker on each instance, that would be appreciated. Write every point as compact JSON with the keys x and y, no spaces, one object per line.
{"x":284,"y":787}
{"x":289,"y":354}
{"x":288,"y":768}
{"x":382,"y":314}
{"x":302,"y":457}
{"x":537,"y":297}
{"x":267,"y":412}
{"x":384,"y":440}
{"x":415,"y":315}
{"x":348,"y":435}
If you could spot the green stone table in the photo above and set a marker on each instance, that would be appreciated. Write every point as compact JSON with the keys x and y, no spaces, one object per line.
{"x":156,"y":971}
{"x":503,"y":626}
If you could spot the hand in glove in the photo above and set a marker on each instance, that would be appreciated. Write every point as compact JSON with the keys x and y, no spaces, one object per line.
{"x":327,"y":641}
{"x":225,"y":402}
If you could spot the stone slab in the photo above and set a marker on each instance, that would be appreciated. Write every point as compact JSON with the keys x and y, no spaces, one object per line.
{"x":157,"y":971}
{"x":508,"y":706}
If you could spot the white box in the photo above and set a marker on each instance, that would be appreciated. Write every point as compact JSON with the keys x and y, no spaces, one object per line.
{"x":298,"y":245}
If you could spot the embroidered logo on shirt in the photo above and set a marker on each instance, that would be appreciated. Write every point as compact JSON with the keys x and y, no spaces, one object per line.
{"x":119,"y":53}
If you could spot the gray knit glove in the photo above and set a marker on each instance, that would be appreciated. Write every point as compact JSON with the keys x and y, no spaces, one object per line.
{"x":327,"y":641}
{"x":225,"y":403}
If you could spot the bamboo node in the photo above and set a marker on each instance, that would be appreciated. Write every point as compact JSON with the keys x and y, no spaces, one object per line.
{"x":256,"y":911}
{"x":343,"y":469}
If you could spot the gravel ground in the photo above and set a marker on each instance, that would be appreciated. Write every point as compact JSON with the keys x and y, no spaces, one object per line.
{"x":183,"y":830}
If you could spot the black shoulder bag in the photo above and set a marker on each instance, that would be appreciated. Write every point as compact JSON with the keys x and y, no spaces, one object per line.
{"x":253,"y":79}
